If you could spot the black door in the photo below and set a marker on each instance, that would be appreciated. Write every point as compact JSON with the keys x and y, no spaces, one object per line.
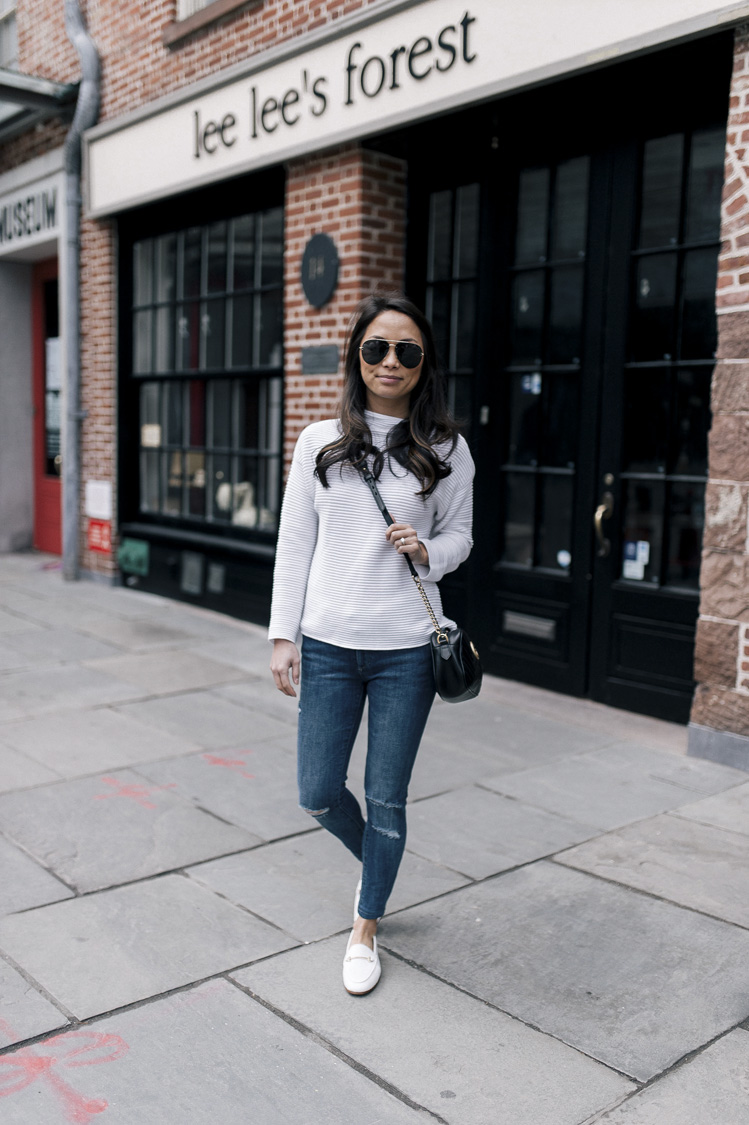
{"x":572,"y":285}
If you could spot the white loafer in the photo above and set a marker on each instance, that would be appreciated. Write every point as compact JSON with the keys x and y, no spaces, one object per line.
{"x":361,"y":968}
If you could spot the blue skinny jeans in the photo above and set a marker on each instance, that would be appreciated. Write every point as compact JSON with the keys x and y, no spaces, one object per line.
{"x":399,"y":686}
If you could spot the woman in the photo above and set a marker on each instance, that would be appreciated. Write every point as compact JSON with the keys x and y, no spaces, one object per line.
{"x":339,"y":581}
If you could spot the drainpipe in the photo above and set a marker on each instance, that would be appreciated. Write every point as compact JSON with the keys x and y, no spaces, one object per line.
{"x":86,"y":113}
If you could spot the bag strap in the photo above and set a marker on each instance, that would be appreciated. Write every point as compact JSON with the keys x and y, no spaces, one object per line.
{"x":366,"y":473}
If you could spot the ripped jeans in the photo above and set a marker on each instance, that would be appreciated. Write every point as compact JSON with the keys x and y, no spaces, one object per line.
{"x":399,"y":686}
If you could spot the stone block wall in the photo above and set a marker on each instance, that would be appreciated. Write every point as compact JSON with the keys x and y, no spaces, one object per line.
{"x":721,"y":702}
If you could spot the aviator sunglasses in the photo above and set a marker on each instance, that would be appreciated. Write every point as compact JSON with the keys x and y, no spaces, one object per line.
{"x":374,"y":351}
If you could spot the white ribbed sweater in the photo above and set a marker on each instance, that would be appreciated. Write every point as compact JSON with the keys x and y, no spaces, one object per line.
{"x":337,"y":579}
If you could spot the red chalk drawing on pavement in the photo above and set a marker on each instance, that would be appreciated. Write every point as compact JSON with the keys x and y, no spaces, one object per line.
{"x":135,"y":792}
{"x":234,"y":764}
{"x":38,"y":1063}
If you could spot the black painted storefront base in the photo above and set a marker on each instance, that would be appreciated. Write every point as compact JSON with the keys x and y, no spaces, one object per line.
{"x":227,"y":576}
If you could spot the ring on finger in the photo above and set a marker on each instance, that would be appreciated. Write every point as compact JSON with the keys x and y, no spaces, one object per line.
{"x":403,"y":541}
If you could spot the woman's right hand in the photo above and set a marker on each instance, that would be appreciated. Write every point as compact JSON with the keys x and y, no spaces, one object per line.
{"x":284,"y":664}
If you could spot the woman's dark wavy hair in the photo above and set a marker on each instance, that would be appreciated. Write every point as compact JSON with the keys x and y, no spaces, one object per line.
{"x":411,"y":442}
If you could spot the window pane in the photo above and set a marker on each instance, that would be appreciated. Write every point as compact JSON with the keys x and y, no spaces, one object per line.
{"x":440,"y":231}
{"x":689,"y":454}
{"x":173,"y":414}
{"x":166,"y":267}
{"x":464,"y":297}
{"x":525,"y":418}
{"x":566,"y":314}
{"x":569,"y":228}
{"x":271,"y":328}
{"x":188,"y":337}
{"x":241,"y":332}
{"x":248,"y":415}
{"x":270,"y":493}
{"x":192,"y":258}
{"x":149,"y":480}
{"x":149,"y":405}
{"x":519,"y":513}
{"x":560,"y":427}
{"x":646,"y":421}
{"x":467,"y":229}
{"x":527,"y":317}
{"x":555,"y":522}
{"x":172,"y":493}
{"x":438,"y":305}
{"x":272,"y":247}
{"x":142,"y":342}
{"x":220,"y":396}
{"x":143,"y":272}
{"x":195,"y":462}
{"x":698,"y":330}
{"x":643,"y":530}
{"x":686,"y":521}
{"x":705,"y":184}
{"x":271,"y":416}
{"x":661,"y":190}
{"x":196,"y":424}
{"x":213,"y":327}
{"x":244,"y":508}
{"x":216,"y":266}
{"x":165,"y":333}
{"x":221,"y":508}
{"x":244,"y":252}
{"x":653,"y":315}
{"x":533,"y":206}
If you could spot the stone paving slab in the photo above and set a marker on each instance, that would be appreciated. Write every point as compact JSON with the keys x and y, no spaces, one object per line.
{"x":82,"y":742}
{"x":246,"y":651}
{"x":10,"y":624}
{"x":712,"y":1087}
{"x":53,"y":646}
{"x":17,"y":771}
{"x":481,"y":833}
{"x":183,"y":671}
{"x":24,"y":1012}
{"x":729,"y":810}
{"x":261,"y":695}
{"x":612,"y":787}
{"x":306,"y":885}
{"x":24,"y":883}
{"x":252,"y":788}
{"x":64,"y":687}
{"x":694,"y":864}
{"x":119,"y":946}
{"x":632,"y":981}
{"x":203,"y":718}
{"x":140,"y":633}
{"x":453,"y":1054}
{"x":52,"y":610}
{"x":95,"y":832}
{"x":209,"y":1056}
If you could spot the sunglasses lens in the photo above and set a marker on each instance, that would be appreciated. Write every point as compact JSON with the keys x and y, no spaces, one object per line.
{"x":408,"y":354}
{"x":374,"y":351}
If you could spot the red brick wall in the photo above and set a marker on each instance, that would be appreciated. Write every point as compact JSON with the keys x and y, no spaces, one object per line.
{"x":722,"y":657}
{"x":358,"y":198}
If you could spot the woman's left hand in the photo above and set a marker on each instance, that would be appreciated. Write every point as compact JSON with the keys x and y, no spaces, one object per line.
{"x":406,"y":542}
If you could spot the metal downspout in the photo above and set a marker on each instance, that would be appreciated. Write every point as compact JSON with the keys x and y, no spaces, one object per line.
{"x":86,"y":113}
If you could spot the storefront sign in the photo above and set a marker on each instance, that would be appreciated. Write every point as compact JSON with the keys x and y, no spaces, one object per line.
{"x":31,"y":214}
{"x":319,"y":270}
{"x":100,"y":536}
{"x":98,"y":499}
{"x":133,"y":556}
{"x":398,"y":61}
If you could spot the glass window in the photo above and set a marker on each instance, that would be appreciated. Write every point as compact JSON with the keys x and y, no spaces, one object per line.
{"x":440,"y":236}
{"x":653,"y":318}
{"x":533,"y":206}
{"x":661,"y":190}
{"x":526,"y":329}
{"x":565,"y":315}
{"x":570,"y":215}
{"x":525,"y":418}
{"x":645,"y":424}
{"x":705,"y":185}
{"x":555,"y":522}
{"x":519,"y":518}
{"x":643,"y":530}
{"x":699,"y":334}
{"x":686,"y":519}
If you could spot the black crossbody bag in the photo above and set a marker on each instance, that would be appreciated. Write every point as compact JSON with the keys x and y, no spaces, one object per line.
{"x":457,"y":667}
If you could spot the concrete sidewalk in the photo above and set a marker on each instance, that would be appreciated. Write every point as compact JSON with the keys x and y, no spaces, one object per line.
{"x":568,"y":941}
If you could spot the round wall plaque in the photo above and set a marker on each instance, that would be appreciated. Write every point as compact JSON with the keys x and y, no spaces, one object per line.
{"x":319,"y":269}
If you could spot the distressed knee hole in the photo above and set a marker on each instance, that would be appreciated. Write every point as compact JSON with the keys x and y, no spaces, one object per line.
{"x":383,"y":804}
{"x":314,"y":812}
{"x":389,"y":832}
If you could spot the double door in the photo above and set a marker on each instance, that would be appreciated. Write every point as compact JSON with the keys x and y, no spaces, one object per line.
{"x":572,"y":286}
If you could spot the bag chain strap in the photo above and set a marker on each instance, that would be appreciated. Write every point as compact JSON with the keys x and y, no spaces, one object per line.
{"x":442,"y":637}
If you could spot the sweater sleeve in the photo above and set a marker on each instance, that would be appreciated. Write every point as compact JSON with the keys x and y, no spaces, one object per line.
{"x":297,"y":537}
{"x":450,"y":540}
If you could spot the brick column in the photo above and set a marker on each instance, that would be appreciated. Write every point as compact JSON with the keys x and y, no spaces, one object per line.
{"x":719,"y":727}
{"x":357,"y":197}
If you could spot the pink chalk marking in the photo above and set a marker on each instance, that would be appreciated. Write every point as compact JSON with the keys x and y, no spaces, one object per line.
{"x":29,"y":1065}
{"x":234,"y":764}
{"x":134,"y":791}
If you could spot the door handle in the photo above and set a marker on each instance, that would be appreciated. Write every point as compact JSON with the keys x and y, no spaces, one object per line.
{"x":604,"y":511}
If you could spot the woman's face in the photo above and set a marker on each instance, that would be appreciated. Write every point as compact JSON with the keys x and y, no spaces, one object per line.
{"x":389,"y":383}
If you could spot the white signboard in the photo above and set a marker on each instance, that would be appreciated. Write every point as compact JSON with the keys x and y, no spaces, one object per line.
{"x":31,"y":214}
{"x":366,"y":75}
{"x":98,"y":501}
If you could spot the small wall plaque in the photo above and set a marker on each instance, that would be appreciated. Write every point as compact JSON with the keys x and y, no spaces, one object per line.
{"x":320,"y":360}
{"x":319,"y":269}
